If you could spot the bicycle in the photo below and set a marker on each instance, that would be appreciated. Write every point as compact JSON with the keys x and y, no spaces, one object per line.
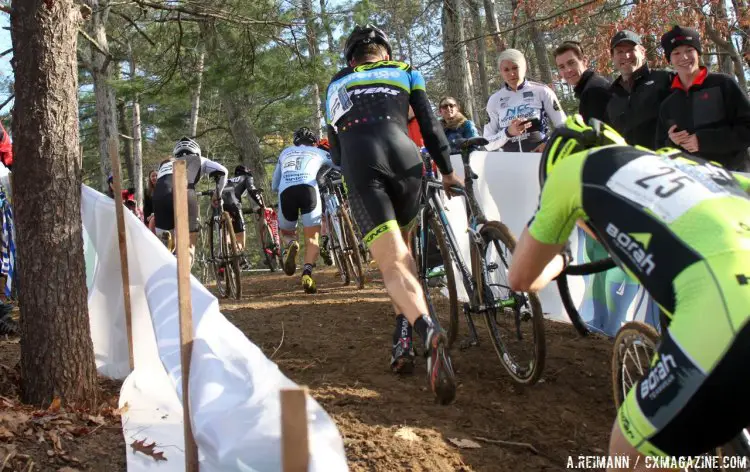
{"x":267,"y":224}
{"x":636,"y":344}
{"x":487,"y":296}
{"x":343,"y":243}
{"x":223,"y":254}
{"x":202,"y":252}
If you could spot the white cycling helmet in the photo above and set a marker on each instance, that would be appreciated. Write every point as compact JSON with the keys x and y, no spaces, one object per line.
{"x":186,"y":146}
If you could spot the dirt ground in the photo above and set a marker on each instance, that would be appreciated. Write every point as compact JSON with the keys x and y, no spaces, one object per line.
{"x":336,"y":342}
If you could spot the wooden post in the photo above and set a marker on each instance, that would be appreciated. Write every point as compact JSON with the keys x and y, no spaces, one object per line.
{"x":119,"y":212}
{"x":295,"y":453}
{"x":182,"y":239}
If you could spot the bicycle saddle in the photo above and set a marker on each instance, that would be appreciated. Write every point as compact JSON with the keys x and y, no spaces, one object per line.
{"x":470,"y":142}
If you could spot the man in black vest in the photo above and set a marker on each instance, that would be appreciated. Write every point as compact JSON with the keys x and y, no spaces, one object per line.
{"x":633,"y":109}
{"x":590,"y":88}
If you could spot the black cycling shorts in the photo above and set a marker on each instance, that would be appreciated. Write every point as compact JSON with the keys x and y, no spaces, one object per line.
{"x":164,"y":208}
{"x":235,"y":211}
{"x":383,"y":174}
{"x":299,"y":199}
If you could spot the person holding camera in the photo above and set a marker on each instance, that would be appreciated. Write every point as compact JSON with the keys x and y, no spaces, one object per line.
{"x":521,"y":111}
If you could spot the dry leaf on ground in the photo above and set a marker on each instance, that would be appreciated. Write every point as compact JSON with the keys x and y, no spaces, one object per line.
{"x":464,"y":443}
{"x":407,"y":434}
{"x":148,"y":449}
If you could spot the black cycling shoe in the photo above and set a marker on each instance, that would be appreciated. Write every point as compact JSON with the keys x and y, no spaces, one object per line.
{"x":402,"y":356}
{"x":439,"y":368}
{"x":290,"y":258}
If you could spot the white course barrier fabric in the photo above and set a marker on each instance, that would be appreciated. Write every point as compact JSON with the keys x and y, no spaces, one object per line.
{"x":508,"y":190}
{"x":234,"y":387}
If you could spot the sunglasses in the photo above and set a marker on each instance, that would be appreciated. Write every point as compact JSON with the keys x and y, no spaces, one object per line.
{"x":448,"y":105}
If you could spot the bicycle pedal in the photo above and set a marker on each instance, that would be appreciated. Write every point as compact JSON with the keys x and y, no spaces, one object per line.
{"x":467,"y":343}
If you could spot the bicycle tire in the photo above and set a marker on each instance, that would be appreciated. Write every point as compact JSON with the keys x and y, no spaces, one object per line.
{"x":234,"y":280}
{"x":337,"y":253}
{"x":353,"y":256}
{"x":591,"y":267}
{"x":570,"y":308}
{"x":530,"y":374}
{"x":267,"y":243}
{"x":434,"y":228}
{"x":624,"y":338}
{"x":214,"y":240}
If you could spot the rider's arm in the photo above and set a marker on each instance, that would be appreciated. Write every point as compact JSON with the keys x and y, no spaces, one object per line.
{"x":432,"y":133}
{"x":333,"y":142}
{"x":208,"y":167}
{"x":552,"y":106}
{"x":535,"y":262}
{"x":493,"y":132}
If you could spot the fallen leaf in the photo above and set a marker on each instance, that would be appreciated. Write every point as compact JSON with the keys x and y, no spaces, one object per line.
{"x":68,"y":469}
{"x":40,"y":436}
{"x":5,"y":433}
{"x":98,"y":419}
{"x":55,"y":405}
{"x":56,"y":443}
{"x":13,"y":420}
{"x":464,"y":443}
{"x":50,"y":452}
{"x":407,"y":434}
{"x":148,"y":449}
{"x":123,"y":409}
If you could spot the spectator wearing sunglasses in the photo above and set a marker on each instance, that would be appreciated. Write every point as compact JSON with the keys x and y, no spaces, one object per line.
{"x":455,"y":124}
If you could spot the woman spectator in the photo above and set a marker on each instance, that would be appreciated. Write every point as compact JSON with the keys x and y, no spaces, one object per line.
{"x":707,"y":114}
{"x":521,"y":111}
{"x":455,"y":124}
{"x":148,"y":206}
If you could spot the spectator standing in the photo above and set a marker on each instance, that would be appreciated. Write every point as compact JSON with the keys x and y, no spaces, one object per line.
{"x":637,"y":93}
{"x":148,"y":205}
{"x":521,"y":110}
{"x":590,"y":88}
{"x":707,"y":114}
{"x":455,"y":124}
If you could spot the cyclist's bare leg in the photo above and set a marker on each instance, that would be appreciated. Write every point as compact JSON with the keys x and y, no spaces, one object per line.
{"x":619,"y":446}
{"x":287,"y":236}
{"x":406,"y":235}
{"x":240,"y":238}
{"x":312,"y":248}
{"x":193,"y":242}
{"x":398,"y":269}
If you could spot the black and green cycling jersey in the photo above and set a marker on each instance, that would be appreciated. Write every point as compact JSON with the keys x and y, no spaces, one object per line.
{"x":681,"y":227}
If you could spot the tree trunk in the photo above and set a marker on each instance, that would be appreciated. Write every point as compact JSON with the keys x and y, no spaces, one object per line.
{"x":57,"y":353}
{"x":244,"y":136}
{"x":540,"y":50}
{"x":314,"y":52}
{"x":196,"y":105}
{"x":458,"y":76}
{"x":101,"y":70}
{"x":728,"y":47}
{"x":137,"y":177}
{"x":127,"y":145}
{"x":484,"y":84}
{"x":493,"y":26}
{"x":326,"y":20}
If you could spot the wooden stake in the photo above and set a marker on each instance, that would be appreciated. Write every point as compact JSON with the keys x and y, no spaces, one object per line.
{"x":119,"y":209}
{"x":182,"y":239}
{"x":295,"y":451}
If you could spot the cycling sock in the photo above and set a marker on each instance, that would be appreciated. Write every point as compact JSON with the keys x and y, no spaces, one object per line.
{"x":422,"y":325}
{"x":307,"y":270}
{"x":403,"y":329}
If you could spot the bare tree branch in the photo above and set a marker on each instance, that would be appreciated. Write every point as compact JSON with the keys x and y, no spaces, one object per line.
{"x":5,"y":8}
{"x":135,"y":25}
{"x":93,"y":42}
{"x":7,"y":101}
{"x":6,"y":52}
{"x":200,"y":10}
{"x":215,"y":128}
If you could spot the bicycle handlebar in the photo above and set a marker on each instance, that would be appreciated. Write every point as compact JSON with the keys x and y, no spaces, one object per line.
{"x":591,"y":267}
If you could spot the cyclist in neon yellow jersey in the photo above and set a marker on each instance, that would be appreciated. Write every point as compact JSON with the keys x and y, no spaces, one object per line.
{"x":680,"y":226}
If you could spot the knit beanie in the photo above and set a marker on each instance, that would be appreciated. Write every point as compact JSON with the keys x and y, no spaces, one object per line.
{"x":679,"y":36}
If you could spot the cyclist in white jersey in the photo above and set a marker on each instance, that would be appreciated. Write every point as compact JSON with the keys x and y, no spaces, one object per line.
{"x":295,"y":180}
{"x":521,"y":111}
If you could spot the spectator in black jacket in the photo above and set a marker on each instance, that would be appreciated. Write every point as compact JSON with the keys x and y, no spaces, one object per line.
{"x":590,"y":88}
{"x":633,"y":109}
{"x":707,"y":114}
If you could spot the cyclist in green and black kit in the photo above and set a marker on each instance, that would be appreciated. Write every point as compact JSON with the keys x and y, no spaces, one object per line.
{"x":681,"y":227}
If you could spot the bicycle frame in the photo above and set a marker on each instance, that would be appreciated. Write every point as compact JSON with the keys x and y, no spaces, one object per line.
{"x":333,"y":200}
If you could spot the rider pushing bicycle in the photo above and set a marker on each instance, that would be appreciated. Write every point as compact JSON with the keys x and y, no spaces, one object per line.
{"x":242,"y":183}
{"x":681,"y":227}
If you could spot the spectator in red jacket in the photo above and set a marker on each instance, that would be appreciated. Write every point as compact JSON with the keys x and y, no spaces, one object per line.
{"x":6,"y":148}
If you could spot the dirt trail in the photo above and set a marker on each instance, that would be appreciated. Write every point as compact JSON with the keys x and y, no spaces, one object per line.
{"x":337,"y":343}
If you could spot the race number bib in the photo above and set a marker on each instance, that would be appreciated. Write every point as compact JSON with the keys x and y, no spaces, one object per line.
{"x":340,"y":103}
{"x":662,"y":187}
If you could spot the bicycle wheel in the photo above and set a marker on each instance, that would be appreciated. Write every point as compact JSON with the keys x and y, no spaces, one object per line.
{"x":217,"y":255}
{"x":570,"y":307}
{"x":229,"y":241}
{"x":351,"y":249}
{"x":514,"y":320}
{"x":433,"y":284}
{"x":199,"y":269}
{"x":269,"y":248}
{"x":634,"y":347}
{"x":336,"y":250}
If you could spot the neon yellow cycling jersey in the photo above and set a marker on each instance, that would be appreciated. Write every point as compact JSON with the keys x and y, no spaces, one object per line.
{"x":681,"y":227}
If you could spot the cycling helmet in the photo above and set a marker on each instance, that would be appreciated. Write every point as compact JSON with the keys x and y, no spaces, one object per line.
{"x":365,"y":35}
{"x":304,"y":135}
{"x":572,"y":137}
{"x":242,"y":170}
{"x":186,"y":146}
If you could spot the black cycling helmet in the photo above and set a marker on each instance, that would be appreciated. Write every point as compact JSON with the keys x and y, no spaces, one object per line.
{"x":242,"y":170}
{"x":365,"y":35}
{"x":305,"y":135}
